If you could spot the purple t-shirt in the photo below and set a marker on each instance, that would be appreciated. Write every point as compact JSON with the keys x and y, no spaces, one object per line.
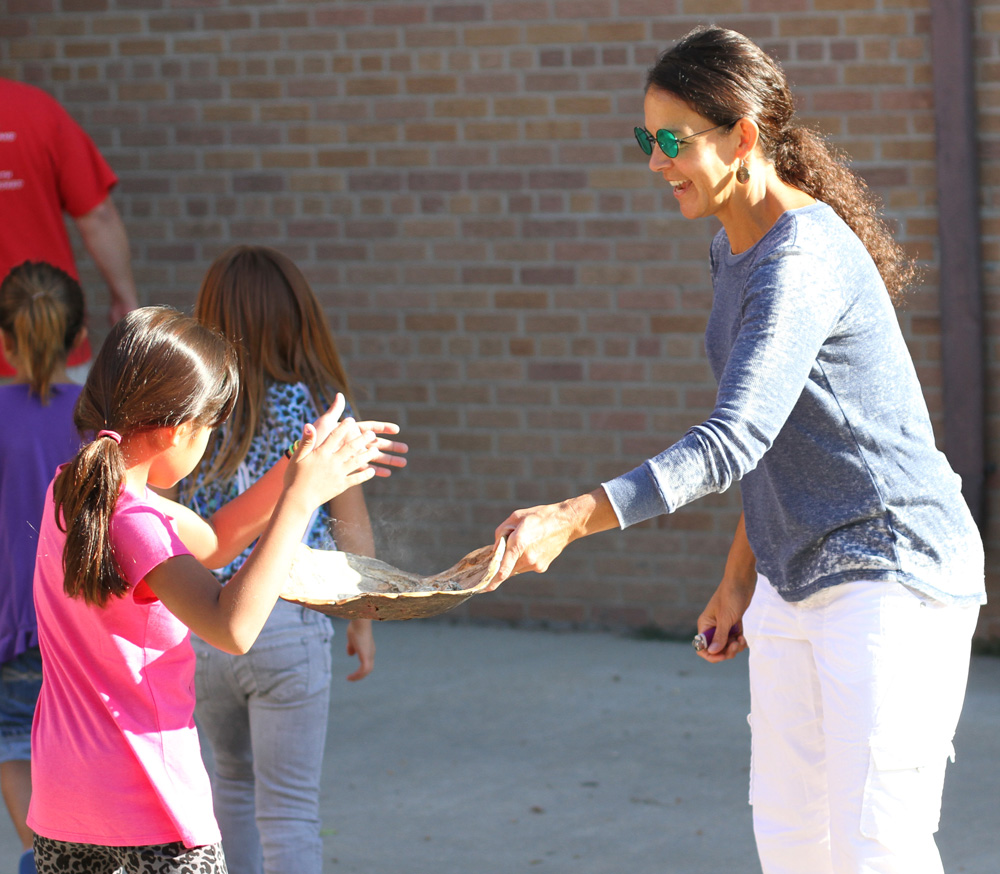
{"x":34,"y":441}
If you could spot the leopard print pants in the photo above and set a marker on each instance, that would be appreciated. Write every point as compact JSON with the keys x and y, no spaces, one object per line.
{"x":62,"y":857}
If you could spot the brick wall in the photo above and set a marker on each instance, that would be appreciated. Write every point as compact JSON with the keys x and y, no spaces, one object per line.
{"x":504,"y":276}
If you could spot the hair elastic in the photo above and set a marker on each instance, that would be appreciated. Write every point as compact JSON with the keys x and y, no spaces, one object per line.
{"x":114,"y":435}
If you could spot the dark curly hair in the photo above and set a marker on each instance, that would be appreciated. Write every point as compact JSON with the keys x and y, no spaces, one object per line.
{"x":724,"y":76}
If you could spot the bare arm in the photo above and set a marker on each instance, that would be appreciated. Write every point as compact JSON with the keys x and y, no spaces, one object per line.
{"x":537,"y":536}
{"x":726,"y":607}
{"x":215,"y":542}
{"x":234,"y":526}
{"x":230,"y":617}
{"x":352,"y":530}
{"x":104,"y":237}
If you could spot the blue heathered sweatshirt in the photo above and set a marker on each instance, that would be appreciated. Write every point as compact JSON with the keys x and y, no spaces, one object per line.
{"x":820,"y":416}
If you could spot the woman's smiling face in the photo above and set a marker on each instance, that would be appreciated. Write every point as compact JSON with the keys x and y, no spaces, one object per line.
{"x":702,"y":173}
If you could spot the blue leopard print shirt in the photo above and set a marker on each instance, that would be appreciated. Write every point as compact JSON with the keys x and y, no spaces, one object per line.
{"x":287,"y":407}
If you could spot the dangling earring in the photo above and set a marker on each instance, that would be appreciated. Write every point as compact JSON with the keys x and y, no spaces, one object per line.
{"x":742,"y":174}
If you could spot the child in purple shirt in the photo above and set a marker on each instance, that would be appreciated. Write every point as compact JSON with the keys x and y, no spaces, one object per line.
{"x":41,"y":320}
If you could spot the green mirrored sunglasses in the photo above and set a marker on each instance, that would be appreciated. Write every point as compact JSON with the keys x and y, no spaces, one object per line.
{"x":669,"y":144}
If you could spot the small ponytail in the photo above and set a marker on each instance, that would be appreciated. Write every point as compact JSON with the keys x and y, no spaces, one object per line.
{"x":42,"y":311}
{"x":85,"y":493}
{"x":38,"y":333}
{"x":157,"y":368}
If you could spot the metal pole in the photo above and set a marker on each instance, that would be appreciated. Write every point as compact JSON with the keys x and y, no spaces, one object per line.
{"x":962,"y":335}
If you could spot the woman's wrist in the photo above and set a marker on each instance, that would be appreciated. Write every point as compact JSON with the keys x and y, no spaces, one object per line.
{"x":589,"y":514}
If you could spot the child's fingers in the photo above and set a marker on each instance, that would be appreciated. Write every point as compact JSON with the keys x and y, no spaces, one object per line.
{"x":379,"y":427}
{"x":359,"y":476}
{"x":387,"y":445}
{"x":336,"y":409}
{"x":305,"y":444}
{"x":326,"y":423}
{"x":340,"y":435}
{"x":353,"y":453}
{"x":389,"y":452}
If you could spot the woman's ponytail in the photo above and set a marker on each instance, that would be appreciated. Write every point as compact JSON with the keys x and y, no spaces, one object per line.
{"x":804,"y":160}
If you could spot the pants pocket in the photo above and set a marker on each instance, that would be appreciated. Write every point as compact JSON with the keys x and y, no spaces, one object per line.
{"x":902,"y":795}
{"x":292,"y":666}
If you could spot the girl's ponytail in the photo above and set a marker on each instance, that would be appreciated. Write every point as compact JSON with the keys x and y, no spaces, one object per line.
{"x":42,"y":311}
{"x":38,"y":331}
{"x":85,"y":492}
{"x":157,"y":369}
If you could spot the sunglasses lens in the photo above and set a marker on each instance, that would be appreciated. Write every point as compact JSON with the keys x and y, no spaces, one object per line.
{"x":668,"y":142}
{"x":644,"y":140}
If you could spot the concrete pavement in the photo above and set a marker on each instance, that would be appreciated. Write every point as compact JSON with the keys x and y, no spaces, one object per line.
{"x":485,"y":750}
{"x":491,"y":750}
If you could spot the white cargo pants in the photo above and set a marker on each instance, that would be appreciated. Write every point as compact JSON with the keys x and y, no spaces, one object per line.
{"x":855,"y":695}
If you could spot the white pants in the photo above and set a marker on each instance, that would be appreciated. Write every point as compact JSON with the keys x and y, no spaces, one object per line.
{"x":855,"y":695}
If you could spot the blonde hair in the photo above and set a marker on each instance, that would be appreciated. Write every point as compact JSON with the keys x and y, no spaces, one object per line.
{"x":42,"y":311}
{"x":258,"y":298}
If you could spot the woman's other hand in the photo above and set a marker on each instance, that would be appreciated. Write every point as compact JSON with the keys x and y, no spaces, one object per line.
{"x":726,"y":607}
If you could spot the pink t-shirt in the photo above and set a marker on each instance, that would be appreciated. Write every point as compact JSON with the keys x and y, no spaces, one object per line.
{"x":115,"y":755}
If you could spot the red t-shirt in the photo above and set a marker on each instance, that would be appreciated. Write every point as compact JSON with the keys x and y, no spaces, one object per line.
{"x":48,"y":166}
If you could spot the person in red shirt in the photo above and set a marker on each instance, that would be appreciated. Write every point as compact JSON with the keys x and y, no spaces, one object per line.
{"x":50,"y":167}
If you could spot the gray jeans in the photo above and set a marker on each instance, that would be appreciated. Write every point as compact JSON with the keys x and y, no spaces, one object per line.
{"x":264,"y":715}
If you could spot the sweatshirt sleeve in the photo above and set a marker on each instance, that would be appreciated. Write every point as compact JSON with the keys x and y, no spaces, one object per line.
{"x":788,"y":309}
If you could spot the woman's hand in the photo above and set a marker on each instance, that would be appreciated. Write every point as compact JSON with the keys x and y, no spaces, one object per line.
{"x":537,"y":536}
{"x":726,"y":607}
{"x":724,"y":613}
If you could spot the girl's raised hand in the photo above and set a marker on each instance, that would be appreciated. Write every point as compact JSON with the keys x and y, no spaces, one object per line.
{"x":389,"y":451}
{"x":321,"y":470}
{"x":329,"y":420}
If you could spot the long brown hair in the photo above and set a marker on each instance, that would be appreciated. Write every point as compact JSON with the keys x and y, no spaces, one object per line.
{"x":258,"y":298}
{"x":157,"y":368}
{"x":724,"y":76}
{"x":41,"y":310}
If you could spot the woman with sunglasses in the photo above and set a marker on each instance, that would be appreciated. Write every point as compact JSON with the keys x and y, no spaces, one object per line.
{"x":856,"y":573}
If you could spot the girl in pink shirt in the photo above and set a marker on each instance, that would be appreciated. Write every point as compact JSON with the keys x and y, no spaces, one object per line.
{"x":121,"y":576}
